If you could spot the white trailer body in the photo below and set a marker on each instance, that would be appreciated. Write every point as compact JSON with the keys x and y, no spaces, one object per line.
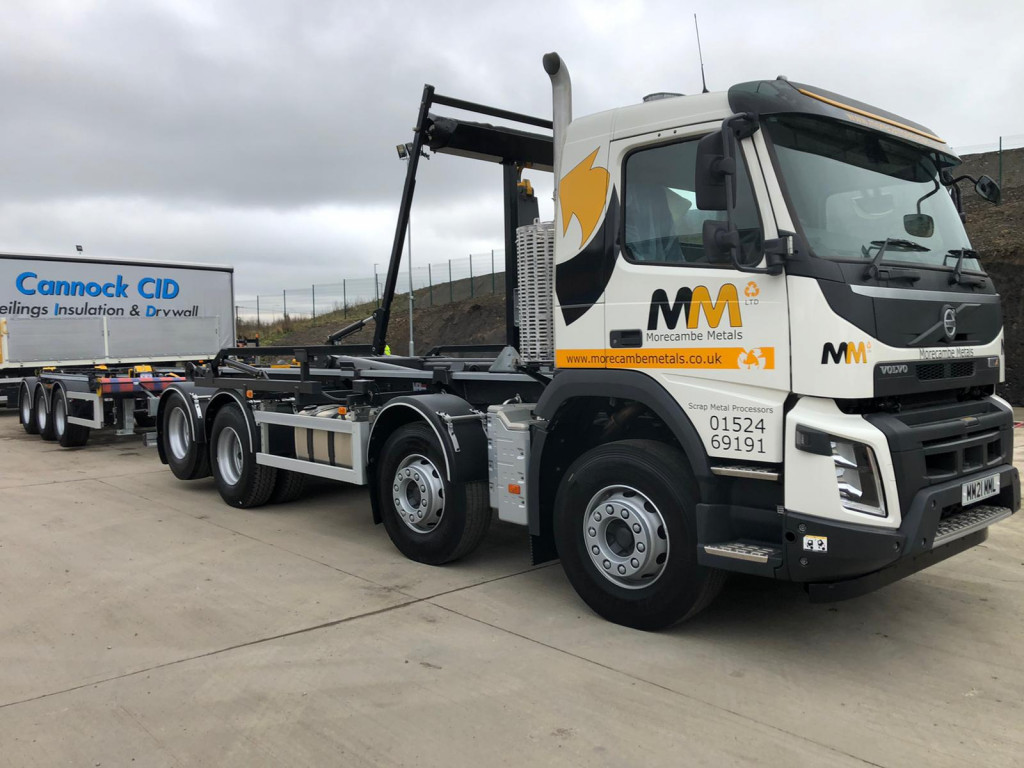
{"x":61,"y":311}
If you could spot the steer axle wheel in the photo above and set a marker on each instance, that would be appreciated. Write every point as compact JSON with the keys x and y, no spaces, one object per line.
{"x":625,"y":527}
{"x":241,"y":481}
{"x":428,"y":517}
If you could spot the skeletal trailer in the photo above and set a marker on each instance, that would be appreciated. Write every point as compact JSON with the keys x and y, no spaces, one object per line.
{"x":658,"y":415}
{"x":66,"y":405}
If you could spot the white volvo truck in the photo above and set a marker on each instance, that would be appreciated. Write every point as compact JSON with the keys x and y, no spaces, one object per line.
{"x":755,"y":338}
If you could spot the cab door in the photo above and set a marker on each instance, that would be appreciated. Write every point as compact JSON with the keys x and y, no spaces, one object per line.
{"x":715,"y":337}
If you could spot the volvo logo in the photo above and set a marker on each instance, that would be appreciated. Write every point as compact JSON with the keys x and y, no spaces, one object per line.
{"x":949,"y":322}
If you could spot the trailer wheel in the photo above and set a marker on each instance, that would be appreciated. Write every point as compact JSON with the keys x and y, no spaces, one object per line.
{"x":241,"y":481}
{"x":43,"y":417}
{"x":288,"y":486}
{"x":26,"y":410}
{"x":428,"y":518}
{"x":625,"y":527}
{"x":68,"y":435}
{"x":188,"y":458}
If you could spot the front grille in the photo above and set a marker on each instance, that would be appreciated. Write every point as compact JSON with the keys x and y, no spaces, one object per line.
{"x":954,"y":370}
{"x":961,"y":368}
{"x":949,"y":458}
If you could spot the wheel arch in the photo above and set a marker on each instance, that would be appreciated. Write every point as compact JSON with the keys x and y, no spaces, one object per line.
{"x":557,"y":444}
{"x":184,"y":392}
{"x":465,"y":452}
{"x":27,"y":385}
{"x":226,"y":397}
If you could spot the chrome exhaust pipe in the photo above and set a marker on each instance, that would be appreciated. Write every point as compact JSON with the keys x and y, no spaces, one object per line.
{"x":561,"y":106}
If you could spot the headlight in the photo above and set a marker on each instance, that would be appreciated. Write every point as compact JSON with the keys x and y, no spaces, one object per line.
{"x":860,"y":485}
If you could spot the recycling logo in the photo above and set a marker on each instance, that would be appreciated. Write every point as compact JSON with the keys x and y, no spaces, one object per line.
{"x":752,"y":358}
{"x":751,"y":290}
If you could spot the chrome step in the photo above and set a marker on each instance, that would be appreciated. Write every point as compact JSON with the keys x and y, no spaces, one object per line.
{"x":970,"y":520}
{"x":746,"y":472}
{"x":737,"y":550}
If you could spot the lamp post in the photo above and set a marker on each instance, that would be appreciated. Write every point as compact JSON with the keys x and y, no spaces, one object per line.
{"x":404,"y":151}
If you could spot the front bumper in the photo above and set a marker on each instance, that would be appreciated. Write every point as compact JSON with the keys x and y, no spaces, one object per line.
{"x":860,"y":559}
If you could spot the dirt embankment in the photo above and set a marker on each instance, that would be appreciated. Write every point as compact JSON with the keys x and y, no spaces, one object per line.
{"x":997,"y":232}
{"x":469,"y":319}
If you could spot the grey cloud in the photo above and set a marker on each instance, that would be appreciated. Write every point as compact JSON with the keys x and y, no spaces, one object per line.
{"x":274,"y":124}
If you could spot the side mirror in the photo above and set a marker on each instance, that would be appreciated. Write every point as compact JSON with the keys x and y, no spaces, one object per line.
{"x":987,"y":189}
{"x":919,"y":224}
{"x":713,"y":171}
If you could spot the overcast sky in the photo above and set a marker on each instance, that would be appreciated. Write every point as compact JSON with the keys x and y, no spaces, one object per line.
{"x":262,"y":134}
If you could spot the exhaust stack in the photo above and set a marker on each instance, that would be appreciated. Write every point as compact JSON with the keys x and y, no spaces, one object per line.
{"x":561,"y":106}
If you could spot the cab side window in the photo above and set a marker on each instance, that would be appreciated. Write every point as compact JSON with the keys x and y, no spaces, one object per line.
{"x":663,"y":224}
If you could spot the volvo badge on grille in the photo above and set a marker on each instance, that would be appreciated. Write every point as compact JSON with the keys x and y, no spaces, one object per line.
{"x":949,"y":322}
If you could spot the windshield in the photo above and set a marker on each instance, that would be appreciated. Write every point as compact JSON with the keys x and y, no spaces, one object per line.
{"x":852,"y":189}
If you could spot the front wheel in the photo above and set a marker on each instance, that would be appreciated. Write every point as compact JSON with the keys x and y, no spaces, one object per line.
{"x":429,"y":518}
{"x":241,"y":481}
{"x":625,"y":526}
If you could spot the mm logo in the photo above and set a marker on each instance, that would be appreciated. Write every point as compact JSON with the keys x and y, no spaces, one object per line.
{"x":845,"y":352}
{"x":691,"y":303}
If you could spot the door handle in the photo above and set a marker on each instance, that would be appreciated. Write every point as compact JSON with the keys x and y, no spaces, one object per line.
{"x":629,"y":338}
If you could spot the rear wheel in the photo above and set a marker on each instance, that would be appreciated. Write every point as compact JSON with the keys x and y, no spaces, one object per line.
{"x":241,"y":481}
{"x":428,"y":518}
{"x":187,"y":458}
{"x":43,"y":417}
{"x":68,"y":435}
{"x":26,"y":410}
{"x":625,"y":526}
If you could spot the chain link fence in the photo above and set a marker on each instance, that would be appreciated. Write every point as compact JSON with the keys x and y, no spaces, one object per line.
{"x":992,"y":159}
{"x":434,"y":284}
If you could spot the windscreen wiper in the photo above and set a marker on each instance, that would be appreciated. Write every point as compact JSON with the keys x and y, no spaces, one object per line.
{"x":958,"y":278}
{"x":894,"y":243}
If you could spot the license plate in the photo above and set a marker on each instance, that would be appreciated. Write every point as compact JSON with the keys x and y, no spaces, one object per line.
{"x":976,"y":490}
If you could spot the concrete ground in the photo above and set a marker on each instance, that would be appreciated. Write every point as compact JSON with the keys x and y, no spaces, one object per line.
{"x":145,"y":623}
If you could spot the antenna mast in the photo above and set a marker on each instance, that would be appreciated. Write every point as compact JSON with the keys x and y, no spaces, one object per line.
{"x":701,"y":55}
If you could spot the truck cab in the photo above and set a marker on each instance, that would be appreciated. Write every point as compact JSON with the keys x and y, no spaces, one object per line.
{"x":791,"y":269}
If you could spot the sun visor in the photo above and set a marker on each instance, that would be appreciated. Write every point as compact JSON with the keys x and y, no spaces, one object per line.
{"x":767,"y":97}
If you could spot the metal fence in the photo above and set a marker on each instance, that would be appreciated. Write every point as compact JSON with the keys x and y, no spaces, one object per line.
{"x":994,"y":165}
{"x":434,"y":284}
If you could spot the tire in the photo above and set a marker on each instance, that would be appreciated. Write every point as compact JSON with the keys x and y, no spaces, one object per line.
{"x":42,"y":415}
{"x":288,"y":486}
{"x":241,"y":481}
{"x":638,"y":565}
{"x":26,"y":410}
{"x":68,"y":435}
{"x":428,"y":518}
{"x":187,"y":458}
